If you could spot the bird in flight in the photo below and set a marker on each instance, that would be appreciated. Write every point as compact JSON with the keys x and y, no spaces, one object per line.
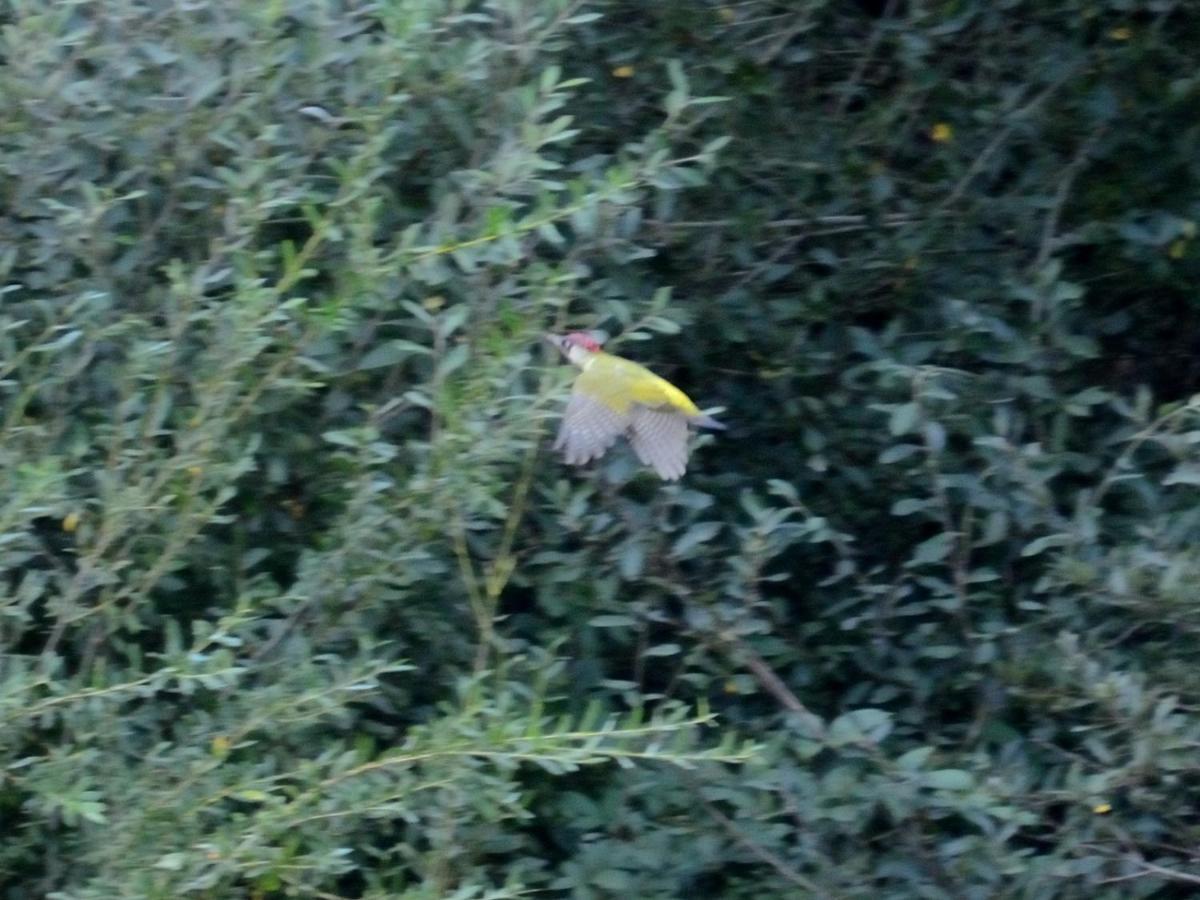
{"x":614,"y":397}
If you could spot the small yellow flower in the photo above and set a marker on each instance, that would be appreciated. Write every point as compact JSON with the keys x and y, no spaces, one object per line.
{"x":1101,"y":809}
{"x":623,"y":72}
{"x":220,"y":745}
{"x":195,"y":471}
{"x":1177,"y":248}
{"x":70,"y":522}
{"x":434,"y":303}
{"x":941,"y":133}
{"x":1121,"y":34}
{"x":726,"y":14}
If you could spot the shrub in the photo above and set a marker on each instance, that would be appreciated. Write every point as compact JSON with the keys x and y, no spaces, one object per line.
{"x":297,"y":600}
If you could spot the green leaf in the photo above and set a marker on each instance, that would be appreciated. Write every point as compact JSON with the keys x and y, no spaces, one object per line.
{"x":910,"y":505}
{"x":914,"y":760}
{"x":700,"y":533}
{"x":663,"y":650}
{"x":1188,"y":473}
{"x":897,"y":452}
{"x":903,"y":418}
{"x":940,"y":651}
{"x":1040,"y":545}
{"x":453,"y":319}
{"x":859,"y":726}
{"x":630,"y":559}
{"x":932,"y":550}
{"x":342,"y":438}
{"x":454,"y":360}
{"x":59,"y":343}
{"x":171,"y":862}
{"x":716,"y":145}
{"x":949,"y":780}
{"x":612,"y":621}
{"x":389,"y":353}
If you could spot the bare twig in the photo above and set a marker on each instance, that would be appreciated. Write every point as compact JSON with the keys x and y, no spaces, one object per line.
{"x":891,"y":220}
{"x":757,"y":850}
{"x":771,"y":682}
{"x":997,"y":142}
{"x":803,"y":20}
{"x":860,"y":68}
{"x":1050,"y":226}
{"x":1147,"y":868}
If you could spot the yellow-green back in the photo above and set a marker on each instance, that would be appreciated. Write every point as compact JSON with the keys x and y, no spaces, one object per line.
{"x":619,"y":383}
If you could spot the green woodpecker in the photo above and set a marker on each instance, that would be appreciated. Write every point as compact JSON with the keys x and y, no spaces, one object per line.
{"x":614,"y":397}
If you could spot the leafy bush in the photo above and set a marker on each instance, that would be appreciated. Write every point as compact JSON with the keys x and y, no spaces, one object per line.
{"x":298,"y":602}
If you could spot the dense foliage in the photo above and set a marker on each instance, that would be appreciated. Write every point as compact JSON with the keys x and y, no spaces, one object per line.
{"x":297,"y":601}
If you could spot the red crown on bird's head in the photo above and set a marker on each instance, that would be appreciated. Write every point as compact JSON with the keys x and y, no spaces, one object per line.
{"x":584,"y":340}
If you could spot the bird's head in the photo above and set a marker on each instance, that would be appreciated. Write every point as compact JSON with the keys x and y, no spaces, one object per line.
{"x":576,"y":346}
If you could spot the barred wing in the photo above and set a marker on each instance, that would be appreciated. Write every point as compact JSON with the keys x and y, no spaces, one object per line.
{"x":589,"y":428}
{"x":659,"y":438}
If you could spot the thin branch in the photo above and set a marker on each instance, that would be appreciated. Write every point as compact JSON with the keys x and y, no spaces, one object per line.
{"x":1062,"y":193}
{"x":1148,"y":868}
{"x":890,"y":220}
{"x":771,"y":682}
{"x":802,"y":22}
{"x":757,"y":850}
{"x":997,"y":142}
{"x":1116,"y":470}
{"x":860,"y":68}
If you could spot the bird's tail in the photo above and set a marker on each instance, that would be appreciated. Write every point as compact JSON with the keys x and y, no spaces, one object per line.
{"x":707,"y":422}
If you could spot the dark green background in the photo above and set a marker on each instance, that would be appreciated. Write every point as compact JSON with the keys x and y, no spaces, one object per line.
{"x":296,"y":601}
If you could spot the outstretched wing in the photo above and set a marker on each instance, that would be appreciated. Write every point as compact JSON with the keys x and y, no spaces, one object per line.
{"x":589,"y":428}
{"x":659,"y":438}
